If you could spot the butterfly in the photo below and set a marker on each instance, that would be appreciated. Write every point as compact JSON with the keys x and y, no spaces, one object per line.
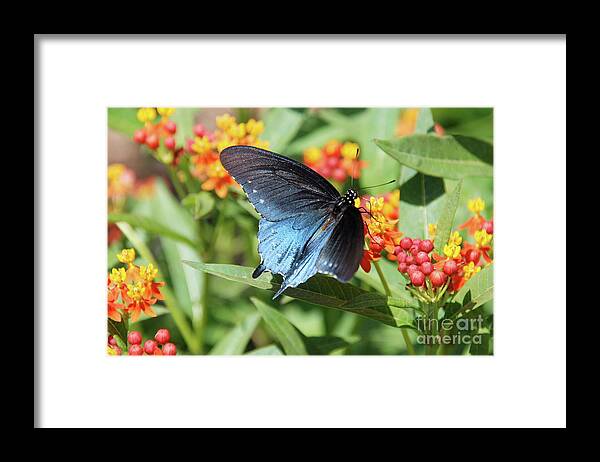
{"x":306,"y":226}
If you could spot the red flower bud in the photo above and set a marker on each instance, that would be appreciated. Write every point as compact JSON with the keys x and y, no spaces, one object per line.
{"x":473,"y":255}
{"x":417,"y":278}
{"x":112,"y":341}
{"x":402,"y":267}
{"x":401,"y":256}
{"x":414,"y":249}
{"x":171,"y":127}
{"x":406,"y":243}
{"x":152,"y":141}
{"x":412,"y":268}
{"x":139,"y":136}
{"x":149,"y":346}
{"x":134,"y":337}
{"x":169,"y":349}
{"x":170,"y":143}
{"x":450,"y":267}
{"x":339,"y":175}
{"x":488,"y":226}
{"x":426,"y":246}
{"x":409,"y":260}
{"x":421,"y":257}
{"x":136,"y":350}
{"x":199,"y":130}
{"x":162,"y":336}
{"x":332,"y":162}
{"x":426,"y":268}
{"x":437,"y":278}
{"x":325,"y":171}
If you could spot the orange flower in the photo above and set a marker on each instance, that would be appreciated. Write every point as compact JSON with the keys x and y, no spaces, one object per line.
{"x":474,"y":223}
{"x":205,"y":164}
{"x":380,"y":216}
{"x":136,"y":287}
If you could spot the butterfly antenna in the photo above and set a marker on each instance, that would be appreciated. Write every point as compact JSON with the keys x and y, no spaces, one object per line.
{"x":377,"y":185}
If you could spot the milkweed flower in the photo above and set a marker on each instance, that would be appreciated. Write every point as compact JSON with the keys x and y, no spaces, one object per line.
{"x":206,"y":147}
{"x":474,"y":223}
{"x":157,"y":133}
{"x":380,"y":218}
{"x":135,"y":286}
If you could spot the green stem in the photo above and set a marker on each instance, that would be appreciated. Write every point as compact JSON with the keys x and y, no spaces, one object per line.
{"x":176,"y":183}
{"x":409,"y":346}
{"x":384,"y":283}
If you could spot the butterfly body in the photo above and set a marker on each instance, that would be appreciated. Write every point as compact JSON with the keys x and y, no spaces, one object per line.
{"x":306,"y":227}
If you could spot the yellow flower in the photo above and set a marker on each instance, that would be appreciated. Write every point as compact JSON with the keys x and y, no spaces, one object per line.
{"x":350,"y":151}
{"x":357,"y":202}
{"x":255,"y":128}
{"x":135,"y":290}
{"x":237,"y":131}
{"x":470,"y":269}
{"x":146,"y":114}
{"x":224,"y":144}
{"x":225,"y":121}
{"x":476,"y":205}
{"x":482,"y":238}
{"x":148,"y":273}
{"x":312,"y":156}
{"x":452,"y":250}
{"x":126,"y":256}
{"x":117,"y":276}
{"x":165,"y":111}
{"x":455,"y":239}
{"x":432,"y":230}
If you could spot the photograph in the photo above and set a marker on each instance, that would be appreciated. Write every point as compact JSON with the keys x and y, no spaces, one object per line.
{"x":300,"y":231}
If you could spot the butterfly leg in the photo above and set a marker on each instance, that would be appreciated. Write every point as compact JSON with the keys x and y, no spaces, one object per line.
{"x":258,"y":271}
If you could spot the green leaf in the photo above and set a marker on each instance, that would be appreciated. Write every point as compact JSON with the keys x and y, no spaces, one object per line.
{"x":368,"y":125}
{"x":421,"y":202}
{"x":123,"y":120}
{"x":186,"y":285}
{"x":453,"y":157}
{"x":477,"y":290}
{"x":118,"y":329}
{"x":446,"y":219}
{"x":234,"y":343}
{"x":199,"y":204}
{"x":281,"y":125}
{"x":325,"y":345}
{"x":322,"y":290}
{"x":285,"y":333}
{"x":185,"y":119}
{"x":483,"y":348}
{"x":269,"y":350}
{"x":150,"y":225}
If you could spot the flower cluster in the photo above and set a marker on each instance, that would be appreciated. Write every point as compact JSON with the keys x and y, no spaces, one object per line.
{"x":159,"y":346}
{"x":133,"y":290}
{"x":432,"y":272}
{"x":158,"y":133}
{"x":335,"y":161}
{"x":380,"y":218}
{"x":206,"y":146}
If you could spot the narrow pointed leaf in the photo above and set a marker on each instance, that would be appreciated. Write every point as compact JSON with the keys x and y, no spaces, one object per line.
{"x":446,"y":219}
{"x":285,"y":332}
{"x":234,"y":343}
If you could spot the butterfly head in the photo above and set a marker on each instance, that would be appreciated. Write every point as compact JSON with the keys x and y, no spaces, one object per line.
{"x":350,"y":196}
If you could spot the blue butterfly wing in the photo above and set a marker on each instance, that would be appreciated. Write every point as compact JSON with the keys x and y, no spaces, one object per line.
{"x":278,"y":187}
{"x":296,"y":205}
